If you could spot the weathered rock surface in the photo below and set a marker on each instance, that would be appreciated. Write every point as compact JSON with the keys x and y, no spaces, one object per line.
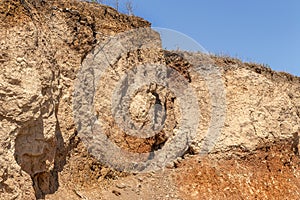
{"x":41,"y":50}
{"x":42,"y":46}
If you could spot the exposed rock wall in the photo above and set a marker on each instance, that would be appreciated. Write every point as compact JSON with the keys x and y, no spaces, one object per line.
{"x":42,"y":46}
{"x":263,"y":106}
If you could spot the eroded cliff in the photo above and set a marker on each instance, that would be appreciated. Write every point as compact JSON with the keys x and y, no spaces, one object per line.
{"x":43,"y":47}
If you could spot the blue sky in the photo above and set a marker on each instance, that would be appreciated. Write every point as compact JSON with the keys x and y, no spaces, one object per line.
{"x":261,"y":31}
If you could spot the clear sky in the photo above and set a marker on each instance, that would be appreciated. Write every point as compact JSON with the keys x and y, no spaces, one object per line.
{"x":261,"y":31}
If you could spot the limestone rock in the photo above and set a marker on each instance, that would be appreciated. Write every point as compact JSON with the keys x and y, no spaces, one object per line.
{"x":42,"y":48}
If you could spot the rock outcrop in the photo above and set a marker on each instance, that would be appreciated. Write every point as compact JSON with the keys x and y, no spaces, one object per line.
{"x":42,"y":48}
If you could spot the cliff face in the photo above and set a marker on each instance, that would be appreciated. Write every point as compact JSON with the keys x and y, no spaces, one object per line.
{"x":43,"y":47}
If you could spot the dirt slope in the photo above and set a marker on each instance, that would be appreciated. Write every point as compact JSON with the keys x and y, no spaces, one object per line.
{"x":44,"y":45}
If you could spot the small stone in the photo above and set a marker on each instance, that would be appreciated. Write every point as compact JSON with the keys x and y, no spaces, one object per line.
{"x":121,"y":186}
{"x":23,"y":63}
{"x":140,"y":179}
{"x":20,"y":59}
